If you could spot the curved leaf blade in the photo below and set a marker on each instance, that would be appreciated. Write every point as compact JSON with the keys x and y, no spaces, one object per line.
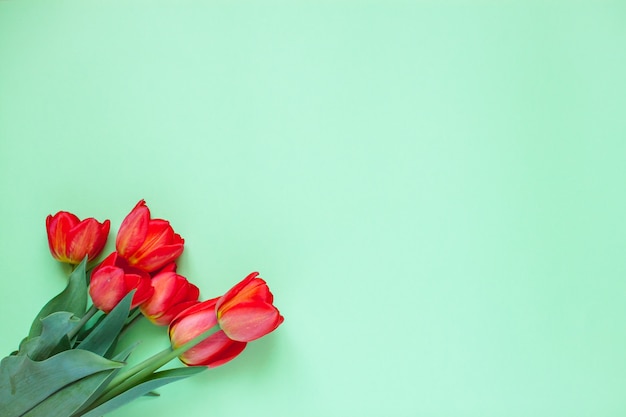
{"x":80,"y":394}
{"x":69,"y":399}
{"x":151,"y":383}
{"x":72,"y":299}
{"x":24,"y":383}
{"x":55,"y":328}
{"x":106,"y":332}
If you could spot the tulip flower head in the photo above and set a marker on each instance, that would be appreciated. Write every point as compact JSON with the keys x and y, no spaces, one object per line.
{"x":112,"y":280}
{"x":71,"y":239}
{"x":246,"y":312}
{"x":145,"y":243}
{"x":215,"y":350}
{"x":172,"y":294}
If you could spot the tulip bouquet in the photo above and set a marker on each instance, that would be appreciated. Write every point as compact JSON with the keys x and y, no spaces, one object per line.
{"x":72,"y":363}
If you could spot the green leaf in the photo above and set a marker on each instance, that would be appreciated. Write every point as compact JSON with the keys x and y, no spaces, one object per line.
{"x":53,"y":338}
{"x":24,"y":383}
{"x":104,"y":335}
{"x":152,"y":382}
{"x":84,"y":332}
{"x":79,"y":395}
{"x":121,"y":357}
{"x":72,"y":299}
{"x":69,"y":399}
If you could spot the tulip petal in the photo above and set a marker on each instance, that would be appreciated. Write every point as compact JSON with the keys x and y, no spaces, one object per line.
{"x":216,"y":350}
{"x":107,"y":287}
{"x":142,"y":286}
{"x":159,"y":233}
{"x":160,"y":256}
{"x":166,"y":318}
{"x":133,"y":230}
{"x":58,"y":227}
{"x":193,"y":321}
{"x":164,"y":285}
{"x":249,"y":289}
{"x":193,"y":292}
{"x":110,"y":284}
{"x":87,"y":238}
{"x":207,"y":305}
{"x":245,"y":322}
{"x":171,"y":267}
{"x":237,"y":288}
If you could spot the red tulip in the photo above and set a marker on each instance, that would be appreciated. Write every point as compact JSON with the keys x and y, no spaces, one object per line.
{"x":146,"y":243}
{"x":215,"y":350}
{"x":112,"y":280}
{"x":71,"y":239}
{"x":246,"y":311}
{"x":172,"y":294}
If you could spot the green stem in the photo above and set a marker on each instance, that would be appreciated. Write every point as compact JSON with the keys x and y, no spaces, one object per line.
{"x":88,"y":315}
{"x":131,"y":377}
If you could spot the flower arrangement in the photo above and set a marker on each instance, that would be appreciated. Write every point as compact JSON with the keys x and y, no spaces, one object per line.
{"x":70,"y":364}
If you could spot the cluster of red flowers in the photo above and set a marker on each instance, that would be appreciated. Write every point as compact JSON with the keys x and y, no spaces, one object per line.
{"x":144,"y":262}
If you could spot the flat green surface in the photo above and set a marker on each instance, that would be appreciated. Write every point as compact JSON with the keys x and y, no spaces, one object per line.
{"x":435,"y":192}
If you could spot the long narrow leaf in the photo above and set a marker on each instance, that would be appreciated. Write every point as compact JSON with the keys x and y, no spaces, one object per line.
{"x":72,"y":299}
{"x":69,"y":399}
{"x":153,"y":382}
{"x":120,"y":357}
{"x":104,"y":335}
{"x":24,"y":383}
{"x":79,"y":395}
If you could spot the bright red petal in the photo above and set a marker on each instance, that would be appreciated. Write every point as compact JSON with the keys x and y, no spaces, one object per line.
{"x":158,"y":258}
{"x":107,"y":287}
{"x":58,"y":228}
{"x":133,"y":230}
{"x":249,"y":321}
{"x":81,"y":240}
{"x":192,"y":321}
{"x":251,"y":289}
{"x":216,"y":350}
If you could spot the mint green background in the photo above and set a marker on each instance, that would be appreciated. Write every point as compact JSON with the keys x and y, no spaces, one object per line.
{"x":435,"y":191}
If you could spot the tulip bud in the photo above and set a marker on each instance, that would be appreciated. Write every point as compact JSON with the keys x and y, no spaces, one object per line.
{"x":145,"y":243}
{"x":71,"y":239}
{"x":215,"y":350}
{"x":112,"y":280}
{"x":172,"y":294}
{"x":246,"y":312}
